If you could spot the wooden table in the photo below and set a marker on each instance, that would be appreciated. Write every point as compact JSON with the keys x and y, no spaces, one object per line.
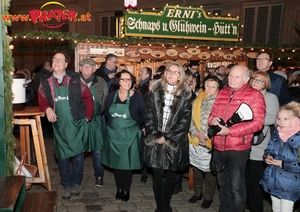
{"x":26,"y":118}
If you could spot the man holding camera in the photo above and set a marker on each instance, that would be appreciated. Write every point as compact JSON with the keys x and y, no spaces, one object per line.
{"x":232,"y":144}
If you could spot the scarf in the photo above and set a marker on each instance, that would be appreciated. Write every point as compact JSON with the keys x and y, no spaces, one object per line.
{"x":285,"y":134}
{"x":88,"y":80}
{"x":142,"y":82}
{"x":196,"y":118}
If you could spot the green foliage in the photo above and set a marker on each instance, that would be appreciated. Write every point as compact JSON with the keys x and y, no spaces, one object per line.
{"x":290,"y":50}
{"x":8,"y":66}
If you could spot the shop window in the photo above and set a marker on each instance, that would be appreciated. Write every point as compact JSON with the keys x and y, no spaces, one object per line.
{"x":108,"y":26}
{"x":262,"y":24}
{"x":214,"y":11}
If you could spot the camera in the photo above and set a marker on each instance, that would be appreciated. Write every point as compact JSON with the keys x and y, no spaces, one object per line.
{"x":243,"y":113}
{"x":214,"y":129}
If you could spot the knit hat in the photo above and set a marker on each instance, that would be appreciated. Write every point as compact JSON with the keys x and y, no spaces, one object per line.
{"x":87,"y":61}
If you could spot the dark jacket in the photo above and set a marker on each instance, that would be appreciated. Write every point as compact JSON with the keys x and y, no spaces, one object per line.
{"x":174,"y":155}
{"x":77,"y":105}
{"x":37,"y":79}
{"x":144,"y":88}
{"x":295,"y":93}
{"x":101,"y":90}
{"x":279,"y":88}
{"x":103,"y":72}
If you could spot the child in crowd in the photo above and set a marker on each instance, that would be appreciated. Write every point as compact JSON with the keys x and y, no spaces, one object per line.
{"x":281,"y":178}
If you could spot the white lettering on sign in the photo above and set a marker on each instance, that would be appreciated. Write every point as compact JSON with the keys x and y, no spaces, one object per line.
{"x":185,"y":26}
{"x":173,"y":13}
{"x":222,"y":28}
{"x":143,"y":25}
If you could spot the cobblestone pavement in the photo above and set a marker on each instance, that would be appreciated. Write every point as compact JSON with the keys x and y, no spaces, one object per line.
{"x":93,"y":199}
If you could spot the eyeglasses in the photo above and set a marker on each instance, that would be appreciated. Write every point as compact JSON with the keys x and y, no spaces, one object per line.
{"x":172,"y":72}
{"x":126,"y":80}
{"x":262,"y":59}
{"x":57,"y":60}
{"x":258,"y":81}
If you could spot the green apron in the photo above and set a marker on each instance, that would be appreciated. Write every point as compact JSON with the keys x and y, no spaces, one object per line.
{"x":69,"y":136}
{"x":121,"y":149}
{"x":95,"y":126}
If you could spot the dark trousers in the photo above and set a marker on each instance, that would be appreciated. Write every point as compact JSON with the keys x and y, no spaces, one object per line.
{"x":255,"y":193}
{"x":231,"y":179}
{"x":123,"y":179}
{"x":210,"y":183}
{"x":163,"y":186}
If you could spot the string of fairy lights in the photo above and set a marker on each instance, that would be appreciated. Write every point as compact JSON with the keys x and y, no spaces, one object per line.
{"x":281,"y":51}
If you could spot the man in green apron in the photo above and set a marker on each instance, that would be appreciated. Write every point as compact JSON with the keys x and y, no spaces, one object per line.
{"x":99,"y":91}
{"x":68,"y":105}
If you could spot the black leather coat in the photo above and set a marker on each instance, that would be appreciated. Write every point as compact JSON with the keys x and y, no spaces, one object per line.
{"x":174,"y":155}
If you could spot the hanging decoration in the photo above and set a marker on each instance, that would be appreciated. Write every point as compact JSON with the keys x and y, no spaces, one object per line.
{"x":130,"y":4}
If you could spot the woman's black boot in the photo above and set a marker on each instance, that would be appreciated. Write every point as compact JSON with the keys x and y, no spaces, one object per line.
{"x":119,"y":194}
{"x":125,"y":196}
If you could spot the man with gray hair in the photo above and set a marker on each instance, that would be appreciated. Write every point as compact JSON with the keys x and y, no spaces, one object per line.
{"x":99,"y":92}
{"x":232,"y":144}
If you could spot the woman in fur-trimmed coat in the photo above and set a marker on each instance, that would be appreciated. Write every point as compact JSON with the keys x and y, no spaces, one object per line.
{"x":168,"y":117}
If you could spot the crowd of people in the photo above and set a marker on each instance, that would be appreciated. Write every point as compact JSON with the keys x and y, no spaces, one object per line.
{"x":163,"y":125}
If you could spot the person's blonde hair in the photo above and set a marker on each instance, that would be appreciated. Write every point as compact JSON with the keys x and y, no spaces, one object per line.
{"x":181,"y":80}
{"x":292,"y":106}
{"x":265,"y":76}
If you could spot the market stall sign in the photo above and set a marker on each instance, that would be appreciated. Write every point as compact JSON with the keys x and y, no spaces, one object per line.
{"x":181,"y":23}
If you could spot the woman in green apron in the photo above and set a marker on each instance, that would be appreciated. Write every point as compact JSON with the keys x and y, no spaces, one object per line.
{"x":99,"y":91}
{"x":68,"y":104}
{"x":124,"y":109}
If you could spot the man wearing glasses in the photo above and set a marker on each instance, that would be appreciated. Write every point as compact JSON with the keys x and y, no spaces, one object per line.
{"x":108,"y":69}
{"x":68,"y":105}
{"x":279,"y":86}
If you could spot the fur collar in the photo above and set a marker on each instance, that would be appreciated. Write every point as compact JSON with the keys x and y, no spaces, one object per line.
{"x":175,"y":108}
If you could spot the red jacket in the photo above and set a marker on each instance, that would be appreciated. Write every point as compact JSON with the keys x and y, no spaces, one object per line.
{"x":226,"y":103}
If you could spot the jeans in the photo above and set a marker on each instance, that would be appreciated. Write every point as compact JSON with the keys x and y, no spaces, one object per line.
{"x":98,"y":168}
{"x":231,"y":179}
{"x":279,"y":205}
{"x":70,"y":177}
